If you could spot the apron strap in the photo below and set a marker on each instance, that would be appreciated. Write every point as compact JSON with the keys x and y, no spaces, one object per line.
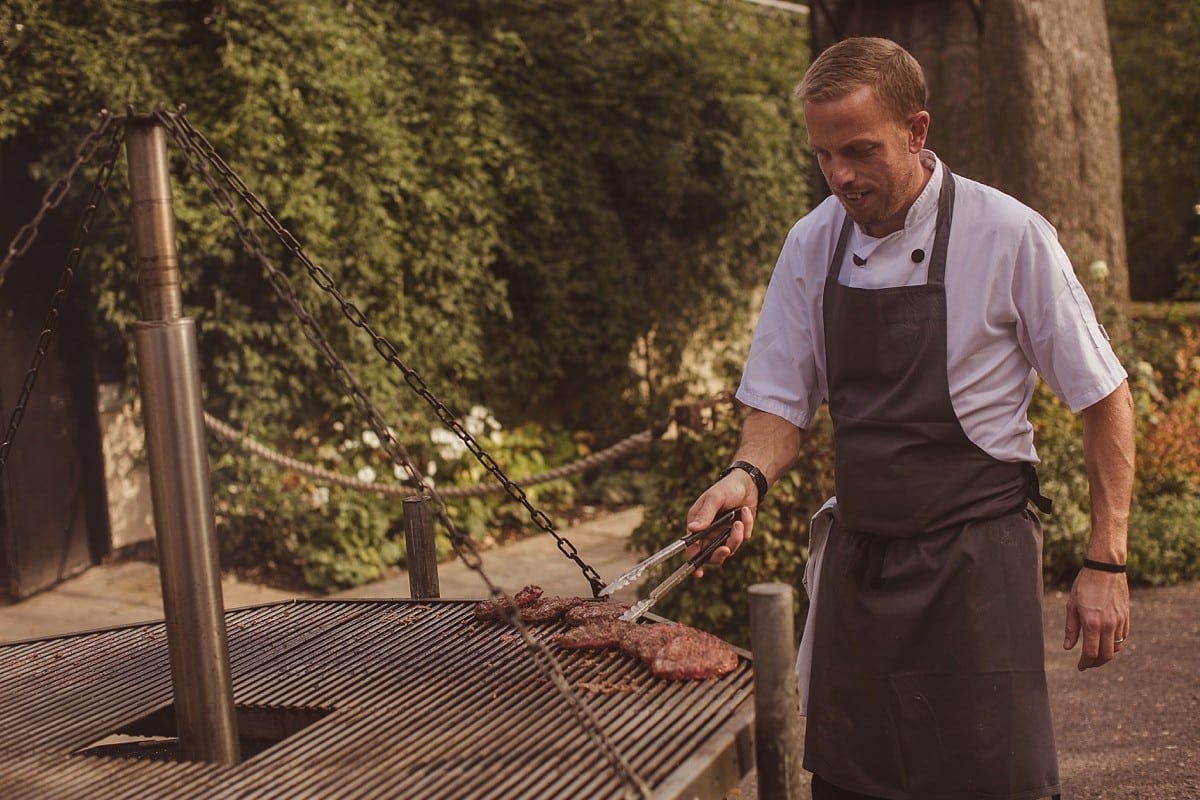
{"x":941,"y":236}
{"x":1033,"y":491}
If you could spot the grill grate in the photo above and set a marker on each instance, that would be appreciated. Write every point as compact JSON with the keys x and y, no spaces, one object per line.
{"x":421,"y":700}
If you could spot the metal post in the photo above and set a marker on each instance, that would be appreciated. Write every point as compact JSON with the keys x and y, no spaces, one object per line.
{"x":776,"y":692}
{"x":420,"y":542}
{"x":179,"y":472}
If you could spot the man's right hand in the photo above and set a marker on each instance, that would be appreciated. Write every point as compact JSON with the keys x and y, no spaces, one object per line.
{"x":729,"y":492}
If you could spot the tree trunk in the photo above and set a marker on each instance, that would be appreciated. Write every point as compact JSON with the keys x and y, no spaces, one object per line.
{"x":1024,"y":98}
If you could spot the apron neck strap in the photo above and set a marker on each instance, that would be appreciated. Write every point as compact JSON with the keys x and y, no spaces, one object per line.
{"x":941,"y":236}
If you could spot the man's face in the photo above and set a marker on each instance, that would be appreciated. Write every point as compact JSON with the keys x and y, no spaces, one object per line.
{"x":869,"y":159}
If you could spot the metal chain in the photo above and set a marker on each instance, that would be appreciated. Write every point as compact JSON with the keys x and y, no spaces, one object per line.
{"x":99,"y":187}
{"x":227,"y":432}
{"x":181,"y":129}
{"x":200,"y":155}
{"x":55,"y":193}
{"x":199,"y":161}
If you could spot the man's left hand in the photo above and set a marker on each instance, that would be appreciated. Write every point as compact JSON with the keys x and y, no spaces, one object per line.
{"x":1099,"y":608}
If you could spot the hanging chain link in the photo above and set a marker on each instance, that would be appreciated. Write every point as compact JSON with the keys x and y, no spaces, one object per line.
{"x":193,"y":141}
{"x":84,"y":153}
{"x":200,"y":155}
{"x":55,"y":193}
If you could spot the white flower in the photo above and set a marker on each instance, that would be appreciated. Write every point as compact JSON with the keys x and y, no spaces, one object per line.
{"x":1098,"y":270}
{"x":452,"y":447}
{"x":370,"y":439}
{"x":349,"y":444}
{"x":318,"y":496}
{"x":480,"y":419}
{"x":338,"y":426}
{"x":431,"y":468}
{"x":1143,"y":369}
{"x":398,"y":471}
{"x":366,"y":475}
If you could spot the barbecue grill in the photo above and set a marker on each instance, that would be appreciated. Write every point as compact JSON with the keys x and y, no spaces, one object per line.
{"x":366,"y":698}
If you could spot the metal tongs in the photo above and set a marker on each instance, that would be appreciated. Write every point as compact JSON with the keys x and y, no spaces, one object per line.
{"x":719,"y":530}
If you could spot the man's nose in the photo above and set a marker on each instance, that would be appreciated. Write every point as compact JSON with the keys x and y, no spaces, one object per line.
{"x":839,"y":173}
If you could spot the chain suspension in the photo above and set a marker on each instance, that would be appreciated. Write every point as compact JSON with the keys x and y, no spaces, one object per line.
{"x":55,"y":193}
{"x":205,"y":155}
{"x":201,"y":155}
{"x":25,"y":237}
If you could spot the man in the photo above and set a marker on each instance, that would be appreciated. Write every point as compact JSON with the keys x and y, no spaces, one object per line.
{"x":923,"y":306}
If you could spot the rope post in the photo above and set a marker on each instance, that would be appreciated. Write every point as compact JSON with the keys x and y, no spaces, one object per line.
{"x":184,"y":523}
{"x":420,"y":540}
{"x":776,"y":692}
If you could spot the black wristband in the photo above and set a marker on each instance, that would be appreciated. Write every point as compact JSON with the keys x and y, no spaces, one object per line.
{"x":760,"y":480}
{"x":1103,"y":566}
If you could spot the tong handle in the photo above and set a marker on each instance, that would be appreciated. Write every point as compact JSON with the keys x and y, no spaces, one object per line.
{"x":722,"y":526}
{"x":723,"y":520}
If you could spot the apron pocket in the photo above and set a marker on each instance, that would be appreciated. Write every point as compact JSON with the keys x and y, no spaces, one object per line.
{"x":975,"y":735}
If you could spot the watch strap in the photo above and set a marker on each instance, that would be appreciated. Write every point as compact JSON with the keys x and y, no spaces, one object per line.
{"x":760,"y":480}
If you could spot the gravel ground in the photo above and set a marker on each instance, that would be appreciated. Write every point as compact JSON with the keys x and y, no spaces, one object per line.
{"x":1129,"y":730}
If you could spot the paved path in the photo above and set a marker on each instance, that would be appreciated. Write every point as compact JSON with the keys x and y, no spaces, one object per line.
{"x":1128,"y":731}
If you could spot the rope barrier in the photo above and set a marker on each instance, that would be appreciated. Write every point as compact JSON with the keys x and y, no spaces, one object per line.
{"x":617,"y":451}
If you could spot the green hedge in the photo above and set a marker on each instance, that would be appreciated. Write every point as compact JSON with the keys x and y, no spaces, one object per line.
{"x":539,"y":203}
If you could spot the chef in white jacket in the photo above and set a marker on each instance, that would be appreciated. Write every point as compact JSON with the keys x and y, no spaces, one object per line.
{"x":923,"y":306}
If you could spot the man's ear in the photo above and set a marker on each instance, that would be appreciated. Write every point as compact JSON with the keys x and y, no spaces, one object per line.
{"x":918,"y":131}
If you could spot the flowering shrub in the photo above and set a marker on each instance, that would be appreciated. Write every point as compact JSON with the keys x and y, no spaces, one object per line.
{"x":1170,"y":429}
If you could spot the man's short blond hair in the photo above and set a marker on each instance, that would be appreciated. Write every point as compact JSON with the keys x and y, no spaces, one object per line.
{"x":885,"y":66}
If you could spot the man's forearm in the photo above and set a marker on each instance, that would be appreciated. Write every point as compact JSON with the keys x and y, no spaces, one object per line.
{"x":770,"y":443}
{"x":1108,"y":453}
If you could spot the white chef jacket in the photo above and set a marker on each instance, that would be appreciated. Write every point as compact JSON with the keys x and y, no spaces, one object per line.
{"x":1015,"y":310}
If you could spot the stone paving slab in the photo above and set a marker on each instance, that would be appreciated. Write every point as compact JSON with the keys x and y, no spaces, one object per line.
{"x":127,"y":592}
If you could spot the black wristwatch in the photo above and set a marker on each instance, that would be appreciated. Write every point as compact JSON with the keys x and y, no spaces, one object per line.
{"x":760,"y":480}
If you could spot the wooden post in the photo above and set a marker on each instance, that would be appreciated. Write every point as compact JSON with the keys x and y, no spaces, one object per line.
{"x":776,"y":692}
{"x":420,"y":540}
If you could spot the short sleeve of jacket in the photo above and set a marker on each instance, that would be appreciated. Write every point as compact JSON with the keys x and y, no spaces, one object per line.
{"x":1059,"y":331}
{"x":782,"y":375}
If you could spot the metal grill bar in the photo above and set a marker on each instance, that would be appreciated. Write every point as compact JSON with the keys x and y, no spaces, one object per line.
{"x":423,"y":701}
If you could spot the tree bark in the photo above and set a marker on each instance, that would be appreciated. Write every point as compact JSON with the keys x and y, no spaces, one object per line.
{"x":1023,"y":97}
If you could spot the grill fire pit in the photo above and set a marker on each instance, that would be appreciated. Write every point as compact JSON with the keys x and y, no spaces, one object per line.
{"x":366,"y":698}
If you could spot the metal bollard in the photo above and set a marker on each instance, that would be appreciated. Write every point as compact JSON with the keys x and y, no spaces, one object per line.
{"x":776,"y":692}
{"x":420,"y":539}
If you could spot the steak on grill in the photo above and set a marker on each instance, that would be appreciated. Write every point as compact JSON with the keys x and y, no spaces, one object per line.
{"x":495,"y":609}
{"x":545,"y":609}
{"x":594,"y":635}
{"x":643,"y":642}
{"x":693,"y":653}
{"x":673,"y":652}
{"x":594,"y":611}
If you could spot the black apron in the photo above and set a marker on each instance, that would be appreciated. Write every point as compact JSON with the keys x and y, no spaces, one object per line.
{"x":928,"y":678}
